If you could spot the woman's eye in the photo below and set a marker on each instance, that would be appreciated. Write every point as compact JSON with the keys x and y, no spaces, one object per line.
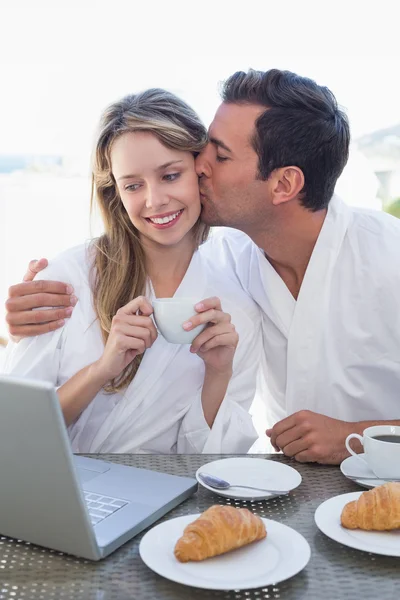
{"x":221,"y":158}
{"x":171,"y":176}
{"x":132,"y":187}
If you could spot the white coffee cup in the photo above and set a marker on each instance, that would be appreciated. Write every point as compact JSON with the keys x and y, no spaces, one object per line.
{"x":382,"y":457}
{"x":170,"y":314}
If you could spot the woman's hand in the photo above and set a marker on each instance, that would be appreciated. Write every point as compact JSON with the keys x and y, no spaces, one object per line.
{"x":131,"y":334}
{"x":217,"y":343}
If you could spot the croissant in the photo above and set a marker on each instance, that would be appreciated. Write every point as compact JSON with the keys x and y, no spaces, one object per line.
{"x":218,"y":530}
{"x":375,"y":510}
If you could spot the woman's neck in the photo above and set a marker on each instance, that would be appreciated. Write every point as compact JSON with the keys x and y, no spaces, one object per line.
{"x":167,"y":265}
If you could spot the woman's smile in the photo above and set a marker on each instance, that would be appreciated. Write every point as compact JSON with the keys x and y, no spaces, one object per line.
{"x":166,"y":220}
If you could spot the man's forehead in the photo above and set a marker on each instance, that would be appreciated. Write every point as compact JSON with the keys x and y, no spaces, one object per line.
{"x":235,"y":122}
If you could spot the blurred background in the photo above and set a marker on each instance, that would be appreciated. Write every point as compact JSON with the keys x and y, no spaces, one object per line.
{"x":62,"y":62}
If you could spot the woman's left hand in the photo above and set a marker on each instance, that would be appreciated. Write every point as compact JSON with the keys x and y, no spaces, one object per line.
{"x":217,"y":343}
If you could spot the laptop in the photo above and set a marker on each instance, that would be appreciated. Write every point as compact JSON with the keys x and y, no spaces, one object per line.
{"x":73,"y":504}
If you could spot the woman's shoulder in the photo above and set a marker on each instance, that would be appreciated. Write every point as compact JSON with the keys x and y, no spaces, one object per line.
{"x":231,"y":249}
{"x":70,"y":266}
{"x":227,"y":239}
{"x":224,"y":257}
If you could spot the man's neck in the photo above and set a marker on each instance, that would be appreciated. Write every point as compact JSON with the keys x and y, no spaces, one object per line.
{"x":167,"y":265}
{"x":289,"y":244}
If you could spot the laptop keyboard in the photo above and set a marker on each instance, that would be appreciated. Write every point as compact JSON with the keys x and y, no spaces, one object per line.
{"x":101,"y":506}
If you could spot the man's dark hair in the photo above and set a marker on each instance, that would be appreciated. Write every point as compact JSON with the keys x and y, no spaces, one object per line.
{"x":302,"y":127}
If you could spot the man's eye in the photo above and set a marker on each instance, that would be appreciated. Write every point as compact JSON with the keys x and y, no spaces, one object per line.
{"x":171,"y":176}
{"x":132,"y":187}
{"x":221,"y":158}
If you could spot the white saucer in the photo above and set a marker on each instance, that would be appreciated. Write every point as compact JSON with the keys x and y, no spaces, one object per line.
{"x":282,"y":554}
{"x":257,"y":472}
{"x":354,"y":467}
{"x":327,"y":518}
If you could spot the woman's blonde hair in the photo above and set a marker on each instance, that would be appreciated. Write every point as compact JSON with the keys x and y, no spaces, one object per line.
{"x":119,"y":272}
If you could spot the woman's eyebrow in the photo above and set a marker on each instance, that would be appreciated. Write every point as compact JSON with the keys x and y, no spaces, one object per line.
{"x":160,"y":168}
{"x":168,"y":164}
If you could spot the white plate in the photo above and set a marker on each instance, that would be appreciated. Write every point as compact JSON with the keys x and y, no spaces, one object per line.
{"x":257,"y":472}
{"x":354,"y":467}
{"x":282,"y":554}
{"x":327,"y":518}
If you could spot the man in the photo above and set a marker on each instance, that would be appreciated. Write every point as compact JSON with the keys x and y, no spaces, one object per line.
{"x":326,"y":277}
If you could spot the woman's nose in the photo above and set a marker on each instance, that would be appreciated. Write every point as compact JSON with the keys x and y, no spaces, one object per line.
{"x":155,"y":198}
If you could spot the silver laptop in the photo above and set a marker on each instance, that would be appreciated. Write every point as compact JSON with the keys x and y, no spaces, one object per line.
{"x":73,"y":504}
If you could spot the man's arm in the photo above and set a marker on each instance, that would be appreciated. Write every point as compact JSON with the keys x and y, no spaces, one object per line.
{"x":55,"y":298}
{"x":310,"y":437}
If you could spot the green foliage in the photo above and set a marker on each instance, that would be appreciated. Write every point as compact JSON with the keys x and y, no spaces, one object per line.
{"x":394,"y":208}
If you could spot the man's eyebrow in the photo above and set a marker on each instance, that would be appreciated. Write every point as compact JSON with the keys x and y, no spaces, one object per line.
{"x":220,"y":143}
{"x":160,"y":168}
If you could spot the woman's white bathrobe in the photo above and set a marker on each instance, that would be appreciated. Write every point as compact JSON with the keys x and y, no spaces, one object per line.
{"x":160,"y":411}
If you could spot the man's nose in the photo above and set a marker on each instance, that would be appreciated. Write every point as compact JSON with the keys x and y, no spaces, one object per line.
{"x":202,"y":165}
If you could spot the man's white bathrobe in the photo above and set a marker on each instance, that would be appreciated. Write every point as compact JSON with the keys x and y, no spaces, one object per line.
{"x":336,"y":350}
{"x":160,"y":411}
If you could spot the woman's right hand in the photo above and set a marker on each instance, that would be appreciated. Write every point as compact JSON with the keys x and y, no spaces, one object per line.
{"x":131,"y":334}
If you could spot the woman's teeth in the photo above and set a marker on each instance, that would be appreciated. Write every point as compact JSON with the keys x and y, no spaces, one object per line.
{"x":165,"y":219}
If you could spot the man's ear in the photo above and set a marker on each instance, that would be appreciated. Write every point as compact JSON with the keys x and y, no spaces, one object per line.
{"x":287,"y":183}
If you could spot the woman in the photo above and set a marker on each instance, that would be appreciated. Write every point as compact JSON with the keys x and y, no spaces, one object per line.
{"x":122,"y":387}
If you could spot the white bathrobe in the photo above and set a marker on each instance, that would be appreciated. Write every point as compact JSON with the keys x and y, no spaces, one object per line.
{"x":161,"y":410}
{"x":336,"y":350}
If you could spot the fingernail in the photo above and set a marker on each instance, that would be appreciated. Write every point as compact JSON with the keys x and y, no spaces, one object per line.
{"x":187,"y":325}
{"x":199,"y":306}
{"x":60,"y":323}
{"x":70,"y":289}
{"x":73,"y":300}
{"x":193,"y":350}
{"x":69,"y":311}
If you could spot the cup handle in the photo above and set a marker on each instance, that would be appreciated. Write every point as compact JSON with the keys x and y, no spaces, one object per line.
{"x":358,"y":437}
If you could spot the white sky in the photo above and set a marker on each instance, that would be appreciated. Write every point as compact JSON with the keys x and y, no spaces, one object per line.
{"x":62,"y":61}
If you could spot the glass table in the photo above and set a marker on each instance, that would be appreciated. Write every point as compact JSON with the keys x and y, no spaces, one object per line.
{"x":28,"y":572}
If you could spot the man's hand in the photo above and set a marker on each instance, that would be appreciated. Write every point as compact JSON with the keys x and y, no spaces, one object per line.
{"x":34,"y":267}
{"x":23,"y":297}
{"x":310,"y":437}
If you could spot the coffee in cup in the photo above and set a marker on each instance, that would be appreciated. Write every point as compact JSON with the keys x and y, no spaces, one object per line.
{"x":381,"y":450}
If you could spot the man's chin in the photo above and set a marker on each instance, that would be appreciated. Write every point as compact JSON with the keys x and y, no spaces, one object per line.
{"x":209,"y":217}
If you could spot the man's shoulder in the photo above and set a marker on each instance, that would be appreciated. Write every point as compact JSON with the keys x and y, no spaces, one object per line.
{"x":376,"y":230}
{"x":374,"y":240}
{"x":375,"y":222}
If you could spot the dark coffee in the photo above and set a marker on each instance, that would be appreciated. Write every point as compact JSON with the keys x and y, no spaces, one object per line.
{"x":394,"y":439}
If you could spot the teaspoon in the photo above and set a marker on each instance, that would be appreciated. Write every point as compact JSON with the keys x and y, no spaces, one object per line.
{"x":220,"y":484}
{"x":361,"y":477}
